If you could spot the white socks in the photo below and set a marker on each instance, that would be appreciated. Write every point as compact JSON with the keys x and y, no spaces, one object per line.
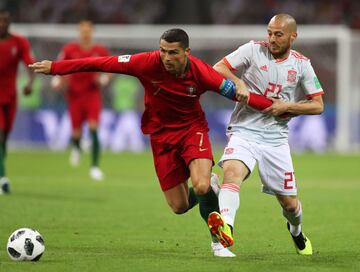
{"x":294,"y":220}
{"x":229,"y":202}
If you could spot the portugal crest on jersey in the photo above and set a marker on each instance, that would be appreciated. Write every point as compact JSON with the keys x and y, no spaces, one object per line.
{"x":13,"y":51}
{"x":291,"y":78}
{"x":191,"y":91}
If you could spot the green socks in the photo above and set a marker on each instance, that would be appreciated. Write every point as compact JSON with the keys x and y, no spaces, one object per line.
{"x":76,"y":142}
{"x":2,"y":160}
{"x":208,"y":203}
{"x":193,"y":201}
{"x":95,"y":148}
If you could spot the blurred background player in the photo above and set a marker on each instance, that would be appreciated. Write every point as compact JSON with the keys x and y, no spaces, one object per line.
{"x":13,"y":49}
{"x":83,"y":96}
{"x":286,"y":77}
{"x":173,"y":81}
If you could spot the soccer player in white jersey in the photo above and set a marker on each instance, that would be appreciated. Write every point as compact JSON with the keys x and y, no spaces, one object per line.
{"x":285,"y":76}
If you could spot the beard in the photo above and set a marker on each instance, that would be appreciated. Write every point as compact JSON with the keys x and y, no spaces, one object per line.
{"x":279,"y":52}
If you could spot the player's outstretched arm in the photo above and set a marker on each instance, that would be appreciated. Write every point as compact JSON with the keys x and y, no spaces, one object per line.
{"x":109,"y":64}
{"x":42,"y":67}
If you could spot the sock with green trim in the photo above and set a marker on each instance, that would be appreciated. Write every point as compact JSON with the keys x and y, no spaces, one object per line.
{"x":2,"y":160}
{"x":95,"y":148}
{"x":193,"y":200}
{"x":208,"y":203}
{"x":75,"y":143}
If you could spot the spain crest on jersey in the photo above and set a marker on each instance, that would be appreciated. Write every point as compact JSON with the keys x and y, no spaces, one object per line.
{"x":291,"y":78}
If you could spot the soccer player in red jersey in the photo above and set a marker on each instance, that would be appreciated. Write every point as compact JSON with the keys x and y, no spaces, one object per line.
{"x":173,"y":81}
{"x":83,"y":95}
{"x":13,"y":50}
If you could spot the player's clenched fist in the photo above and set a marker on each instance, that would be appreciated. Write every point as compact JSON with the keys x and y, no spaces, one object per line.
{"x":43,"y":67}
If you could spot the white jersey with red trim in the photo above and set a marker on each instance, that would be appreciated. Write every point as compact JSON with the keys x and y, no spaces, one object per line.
{"x":291,"y":79}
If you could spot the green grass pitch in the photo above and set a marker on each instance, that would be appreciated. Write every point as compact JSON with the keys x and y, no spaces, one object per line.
{"x":124,"y":223}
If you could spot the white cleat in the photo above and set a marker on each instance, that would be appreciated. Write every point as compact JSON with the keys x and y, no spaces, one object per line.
{"x":214,"y":183}
{"x":220,"y":251}
{"x":96,"y":173}
{"x":75,"y":156}
{"x":4,"y":185}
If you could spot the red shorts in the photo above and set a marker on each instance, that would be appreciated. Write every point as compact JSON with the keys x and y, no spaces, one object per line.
{"x":7,"y":115}
{"x":84,"y":108}
{"x":172,"y":160}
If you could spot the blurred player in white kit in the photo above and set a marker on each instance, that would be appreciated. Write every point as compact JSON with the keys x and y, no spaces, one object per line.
{"x":273,"y":69}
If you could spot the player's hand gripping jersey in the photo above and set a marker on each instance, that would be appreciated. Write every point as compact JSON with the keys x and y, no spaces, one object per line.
{"x":291,"y":79}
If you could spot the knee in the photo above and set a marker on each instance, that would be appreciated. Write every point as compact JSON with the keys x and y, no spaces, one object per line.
{"x":179,"y":208}
{"x":235,"y":175}
{"x":290,"y":206}
{"x":201,"y":188}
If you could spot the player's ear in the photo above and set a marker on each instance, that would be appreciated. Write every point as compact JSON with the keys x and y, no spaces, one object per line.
{"x":293,"y":36}
{"x":187,"y":51}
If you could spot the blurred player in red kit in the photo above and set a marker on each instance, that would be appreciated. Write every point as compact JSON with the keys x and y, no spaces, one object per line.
{"x":173,"y":81}
{"x":83,"y":95}
{"x":13,"y":50}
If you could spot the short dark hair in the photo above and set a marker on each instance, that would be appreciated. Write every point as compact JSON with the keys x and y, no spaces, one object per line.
{"x":176,"y":35}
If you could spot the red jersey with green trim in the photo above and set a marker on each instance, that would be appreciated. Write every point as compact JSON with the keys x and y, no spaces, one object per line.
{"x":81,"y":83}
{"x":12,"y":50}
{"x":171,"y":103}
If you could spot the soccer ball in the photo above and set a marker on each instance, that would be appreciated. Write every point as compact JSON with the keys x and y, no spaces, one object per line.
{"x":25,"y":245}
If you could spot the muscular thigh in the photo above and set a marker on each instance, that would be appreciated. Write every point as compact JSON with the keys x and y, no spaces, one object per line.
{"x":235,"y":171}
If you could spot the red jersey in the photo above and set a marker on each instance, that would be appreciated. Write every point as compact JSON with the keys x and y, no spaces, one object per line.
{"x":82,"y":83}
{"x":171,"y":103}
{"x":12,"y":50}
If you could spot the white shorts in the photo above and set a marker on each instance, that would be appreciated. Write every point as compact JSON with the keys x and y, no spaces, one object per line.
{"x":275,"y":164}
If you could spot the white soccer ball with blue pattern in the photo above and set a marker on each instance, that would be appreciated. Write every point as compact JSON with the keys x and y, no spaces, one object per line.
{"x":25,"y":245}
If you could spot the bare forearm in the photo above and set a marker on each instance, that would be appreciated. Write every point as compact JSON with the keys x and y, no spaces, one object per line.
{"x":308,"y":107}
{"x":226,"y":72}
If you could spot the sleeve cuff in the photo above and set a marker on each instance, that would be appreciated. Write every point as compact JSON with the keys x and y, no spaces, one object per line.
{"x":228,"y":65}
{"x":315,"y":94}
{"x":52,"y":68}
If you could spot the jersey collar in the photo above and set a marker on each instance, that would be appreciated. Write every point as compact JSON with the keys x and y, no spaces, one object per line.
{"x":187,"y":67}
{"x":281,"y":59}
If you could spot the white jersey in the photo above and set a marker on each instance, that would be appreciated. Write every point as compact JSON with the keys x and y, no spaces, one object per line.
{"x":291,"y":79}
